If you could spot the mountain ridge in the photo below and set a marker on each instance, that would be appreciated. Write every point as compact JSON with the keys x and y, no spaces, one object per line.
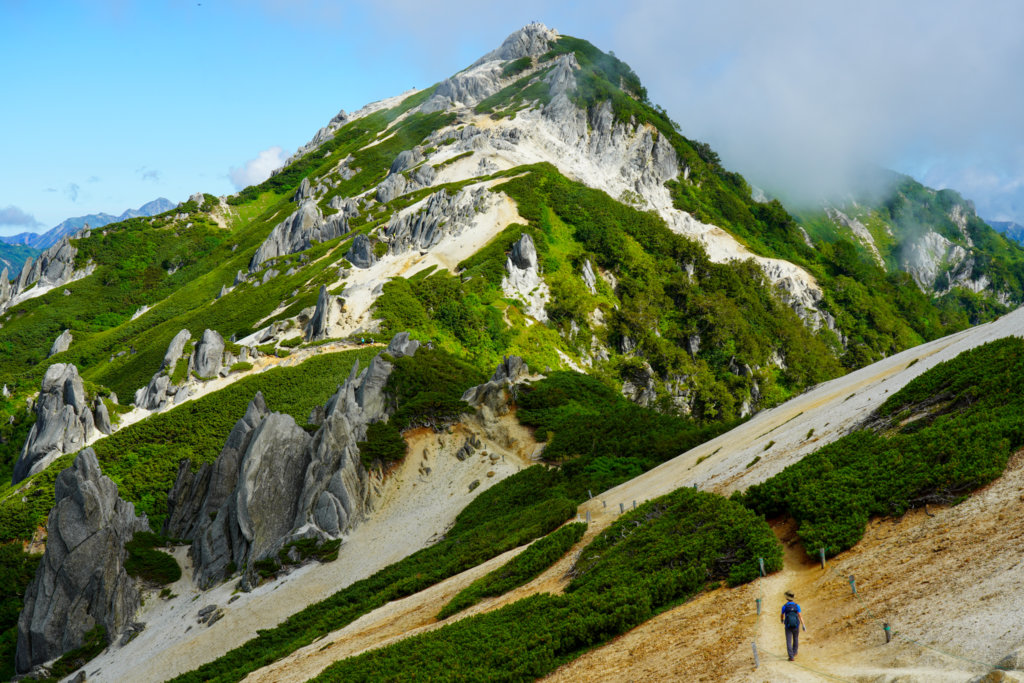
{"x":69,"y":226}
{"x":534,"y":209}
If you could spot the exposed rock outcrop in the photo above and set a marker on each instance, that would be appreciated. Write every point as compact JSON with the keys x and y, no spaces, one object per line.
{"x":63,"y":424}
{"x":161,"y":392}
{"x":360,"y":254}
{"x":640,"y":388}
{"x":533,"y":40}
{"x":273,"y":483}
{"x":322,"y":135}
{"x":207,"y":359}
{"x":523,"y":280}
{"x":208,"y":356}
{"x":324,"y":317}
{"x":101,"y":417}
{"x":54,"y":267}
{"x":937,"y":264}
{"x":484,"y":77}
{"x":61,"y":344}
{"x":589,"y":279}
{"x":494,"y":397}
{"x":5,"y":289}
{"x":440,"y":215}
{"x":406,"y":159}
{"x":298,"y":232}
{"x":81,"y":581}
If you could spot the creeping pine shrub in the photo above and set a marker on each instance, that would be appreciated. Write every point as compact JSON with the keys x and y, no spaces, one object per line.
{"x":515,"y":511}
{"x":520,"y":569}
{"x":971,"y":422}
{"x":384,"y":443}
{"x":149,"y":564}
{"x":651,"y":558}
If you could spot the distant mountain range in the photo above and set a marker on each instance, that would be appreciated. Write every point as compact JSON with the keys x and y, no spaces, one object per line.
{"x":1012,"y":229}
{"x":41,"y":241}
{"x":14,"y":249}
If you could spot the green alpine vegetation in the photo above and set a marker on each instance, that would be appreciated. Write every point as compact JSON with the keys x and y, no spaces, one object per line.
{"x":640,"y":347}
{"x":650,"y":559}
{"x":509,"y":514}
{"x":945,"y":434}
{"x":519,"y":570}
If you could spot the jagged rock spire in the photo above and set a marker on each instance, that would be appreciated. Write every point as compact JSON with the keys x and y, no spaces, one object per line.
{"x":81,"y":581}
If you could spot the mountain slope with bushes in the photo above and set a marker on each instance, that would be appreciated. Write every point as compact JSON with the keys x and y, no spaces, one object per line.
{"x":534,"y":213}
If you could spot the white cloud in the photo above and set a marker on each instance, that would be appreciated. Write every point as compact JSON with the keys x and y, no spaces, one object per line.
{"x":14,"y":216}
{"x":259,"y":169}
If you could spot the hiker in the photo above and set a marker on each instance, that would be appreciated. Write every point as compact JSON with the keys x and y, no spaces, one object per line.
{"x":793,"y":621}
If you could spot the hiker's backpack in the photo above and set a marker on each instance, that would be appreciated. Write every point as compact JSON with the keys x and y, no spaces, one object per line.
{"x":792,"y":615}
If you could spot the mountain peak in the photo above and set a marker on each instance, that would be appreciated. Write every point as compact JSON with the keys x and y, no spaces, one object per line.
{"x":531,"y":40}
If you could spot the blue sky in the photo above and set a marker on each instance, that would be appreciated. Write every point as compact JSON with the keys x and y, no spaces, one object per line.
{"x":110,"y":104}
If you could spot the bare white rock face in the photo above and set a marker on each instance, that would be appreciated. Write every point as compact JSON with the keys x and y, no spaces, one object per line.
{"x":523,"y":280}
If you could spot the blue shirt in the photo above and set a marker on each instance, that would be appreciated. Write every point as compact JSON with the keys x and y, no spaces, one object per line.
{"x":788,"y":604}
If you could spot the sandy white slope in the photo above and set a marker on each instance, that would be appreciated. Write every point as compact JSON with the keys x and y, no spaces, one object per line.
{"x":832,"y":409}
{"x":413,"y":511}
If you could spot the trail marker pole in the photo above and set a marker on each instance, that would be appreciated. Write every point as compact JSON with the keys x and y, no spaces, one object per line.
{"x":589,"y":494}
{"x":757,"y":662}
{"x":604,"y":503}
{"x":821,"y":553}
{"x":634,"y":505}
{"x":853,"y":584}
{"x":622,"y":508}
{"x":760,"y":561}
{"x":888,"y":632}
{"x":758,"y":601}
{"x":588,"y":517}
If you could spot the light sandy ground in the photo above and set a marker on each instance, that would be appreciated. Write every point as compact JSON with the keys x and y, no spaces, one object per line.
{"x":413,"y":510}
{"x":542,"y":140}
{"x":949,"y":585}
{"x":900,"y":573}
{"x":410,"y":616}
{"x":362,"y":286}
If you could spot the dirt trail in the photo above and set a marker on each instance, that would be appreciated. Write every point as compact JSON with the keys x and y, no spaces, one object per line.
{"x":950,"y":582}
{"x":959,"y":554}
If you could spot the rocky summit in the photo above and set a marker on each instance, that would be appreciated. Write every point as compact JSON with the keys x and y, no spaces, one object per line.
{"x":516,"y":351}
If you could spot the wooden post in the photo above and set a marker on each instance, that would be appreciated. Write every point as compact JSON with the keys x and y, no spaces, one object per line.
{"x":760,"y":561}
{"x":757,"y":662}
{"x":821,"y":553}
{"x":758,"y":601}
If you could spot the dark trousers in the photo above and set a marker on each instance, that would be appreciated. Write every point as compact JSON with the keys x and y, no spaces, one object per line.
{"x":792,"y":640}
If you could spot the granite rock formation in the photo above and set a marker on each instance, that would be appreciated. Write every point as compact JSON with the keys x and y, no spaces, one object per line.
{"x":81,"y":581}
{"x":273,"y":483}
{"x":64,"y":421}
